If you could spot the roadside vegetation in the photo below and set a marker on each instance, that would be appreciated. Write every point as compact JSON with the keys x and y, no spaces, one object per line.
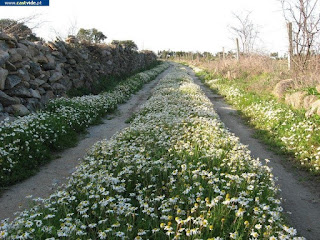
{"x":175,"y":173}
{"x":28,"y":142}
{"x":279,"y":125}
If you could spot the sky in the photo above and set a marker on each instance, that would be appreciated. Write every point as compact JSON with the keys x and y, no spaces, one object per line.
{"x":179,"y":25}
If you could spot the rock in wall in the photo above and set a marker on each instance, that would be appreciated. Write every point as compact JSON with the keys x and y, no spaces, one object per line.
{"x":31,"y":73}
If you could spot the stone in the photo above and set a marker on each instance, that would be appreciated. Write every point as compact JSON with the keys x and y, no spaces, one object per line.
{"x":77,"y":83}
{"x":4,"y":46}
{"x":6,"y":100}
{"x":72,"y":61}
{"x":58,"y":87}
{"x":60,"y":66}
{"x":61,"y":47}
{"x":308,"y":101}
{"x":21,"y":52}
{"x":105,"y":53}
{"x":281,"y":87}
{"x":55,"y":77}
{"x":45,"y":98}
{"x":65,"y":81}
{"x":109,"y":62}
{"x":41,"y":91}
{"x":20,"y":110}
{"x":57,"y":54}
{"x":35,"y":69}
{"x":313,"y":109}
{"x":295,"y":99}
{"x":23,"y":46}
{"x":51,"y":59}
{"x":5,"y":37}
{"x":12,"y":81}
{"x":84,"y":56}
{"x":23,"y":73}
{"x":47,"y":87}
{"x":11,"y":44}
{"x":40,"y":59}
{"x":3,"y":76}
{"x":10,"y":66}
{"x":14,"y":56}
{"x":33,"y":50}
{"x":9,"y":110}
{"x":24,"y":84}
{"x":33,"y":104}
{"x":19,"y":92}
{"x":4,"y":57}
{"x":18,"y":100}
{"x":35,"y":93}
{"x":1,"y":108}
{"x":36,"y":83}
{"x":49,"y":66}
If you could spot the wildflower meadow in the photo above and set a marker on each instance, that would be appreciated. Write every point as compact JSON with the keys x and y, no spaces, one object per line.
{"x":174,"y":173}
{"x":280,"y":125}
{"x":27,"y":142}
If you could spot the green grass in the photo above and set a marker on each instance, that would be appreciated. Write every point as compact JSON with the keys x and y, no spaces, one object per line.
{"x":285,"y":130}
{"x":175,"y":173}
{"x":28,"y":142}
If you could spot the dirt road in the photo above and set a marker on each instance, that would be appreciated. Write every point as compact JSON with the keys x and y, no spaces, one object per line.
{"x":57,"y":171}
{"x":301,"y":200}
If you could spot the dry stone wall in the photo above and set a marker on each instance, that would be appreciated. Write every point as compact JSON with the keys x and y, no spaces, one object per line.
{"x":32,"y":73}
{"x":297,"y":99}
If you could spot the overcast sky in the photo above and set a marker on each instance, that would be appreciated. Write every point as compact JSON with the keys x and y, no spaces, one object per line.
{"x":188,"y":25}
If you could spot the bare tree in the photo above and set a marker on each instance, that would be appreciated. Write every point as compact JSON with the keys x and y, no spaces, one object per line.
{"x":73,"y":29}
{"x":305,"y":18}
{"x":246,"y":31}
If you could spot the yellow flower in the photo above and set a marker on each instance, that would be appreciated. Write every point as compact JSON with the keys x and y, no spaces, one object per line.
{"x":228,"y":196}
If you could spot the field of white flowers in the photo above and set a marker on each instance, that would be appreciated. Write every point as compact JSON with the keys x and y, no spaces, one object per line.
{"x":175,"y":173}
{"x":290,"y":129}
{"x":26,"y":143}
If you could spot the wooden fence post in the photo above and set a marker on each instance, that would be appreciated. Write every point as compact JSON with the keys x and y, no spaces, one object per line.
{"x":238,"y":49}
{"x":290,"y":50}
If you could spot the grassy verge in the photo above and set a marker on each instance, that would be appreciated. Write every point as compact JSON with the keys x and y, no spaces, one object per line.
{"x":283,"y":128}
{"x":175,"y":173}
{"x":26,"y":143}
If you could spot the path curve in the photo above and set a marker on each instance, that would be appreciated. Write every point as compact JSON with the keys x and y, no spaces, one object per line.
{"x":301,"y":203}
{"x":57,"y":171}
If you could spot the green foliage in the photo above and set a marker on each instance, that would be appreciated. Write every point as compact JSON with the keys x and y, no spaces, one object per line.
{"x":126,"y":44}
{"x":26,"y":143}
{"x":284,"y":129}
{"x":312,"y":91}
{"x":90,"y":35}
{"x":175,"y":173}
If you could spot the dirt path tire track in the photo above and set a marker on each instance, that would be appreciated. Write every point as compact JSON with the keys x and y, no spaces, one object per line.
{"x":57,"y":171}
{"x":301,"y":203}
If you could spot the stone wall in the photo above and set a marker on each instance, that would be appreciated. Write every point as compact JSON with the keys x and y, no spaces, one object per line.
{"x":31,"y":73}
{"x":297,"y":99}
